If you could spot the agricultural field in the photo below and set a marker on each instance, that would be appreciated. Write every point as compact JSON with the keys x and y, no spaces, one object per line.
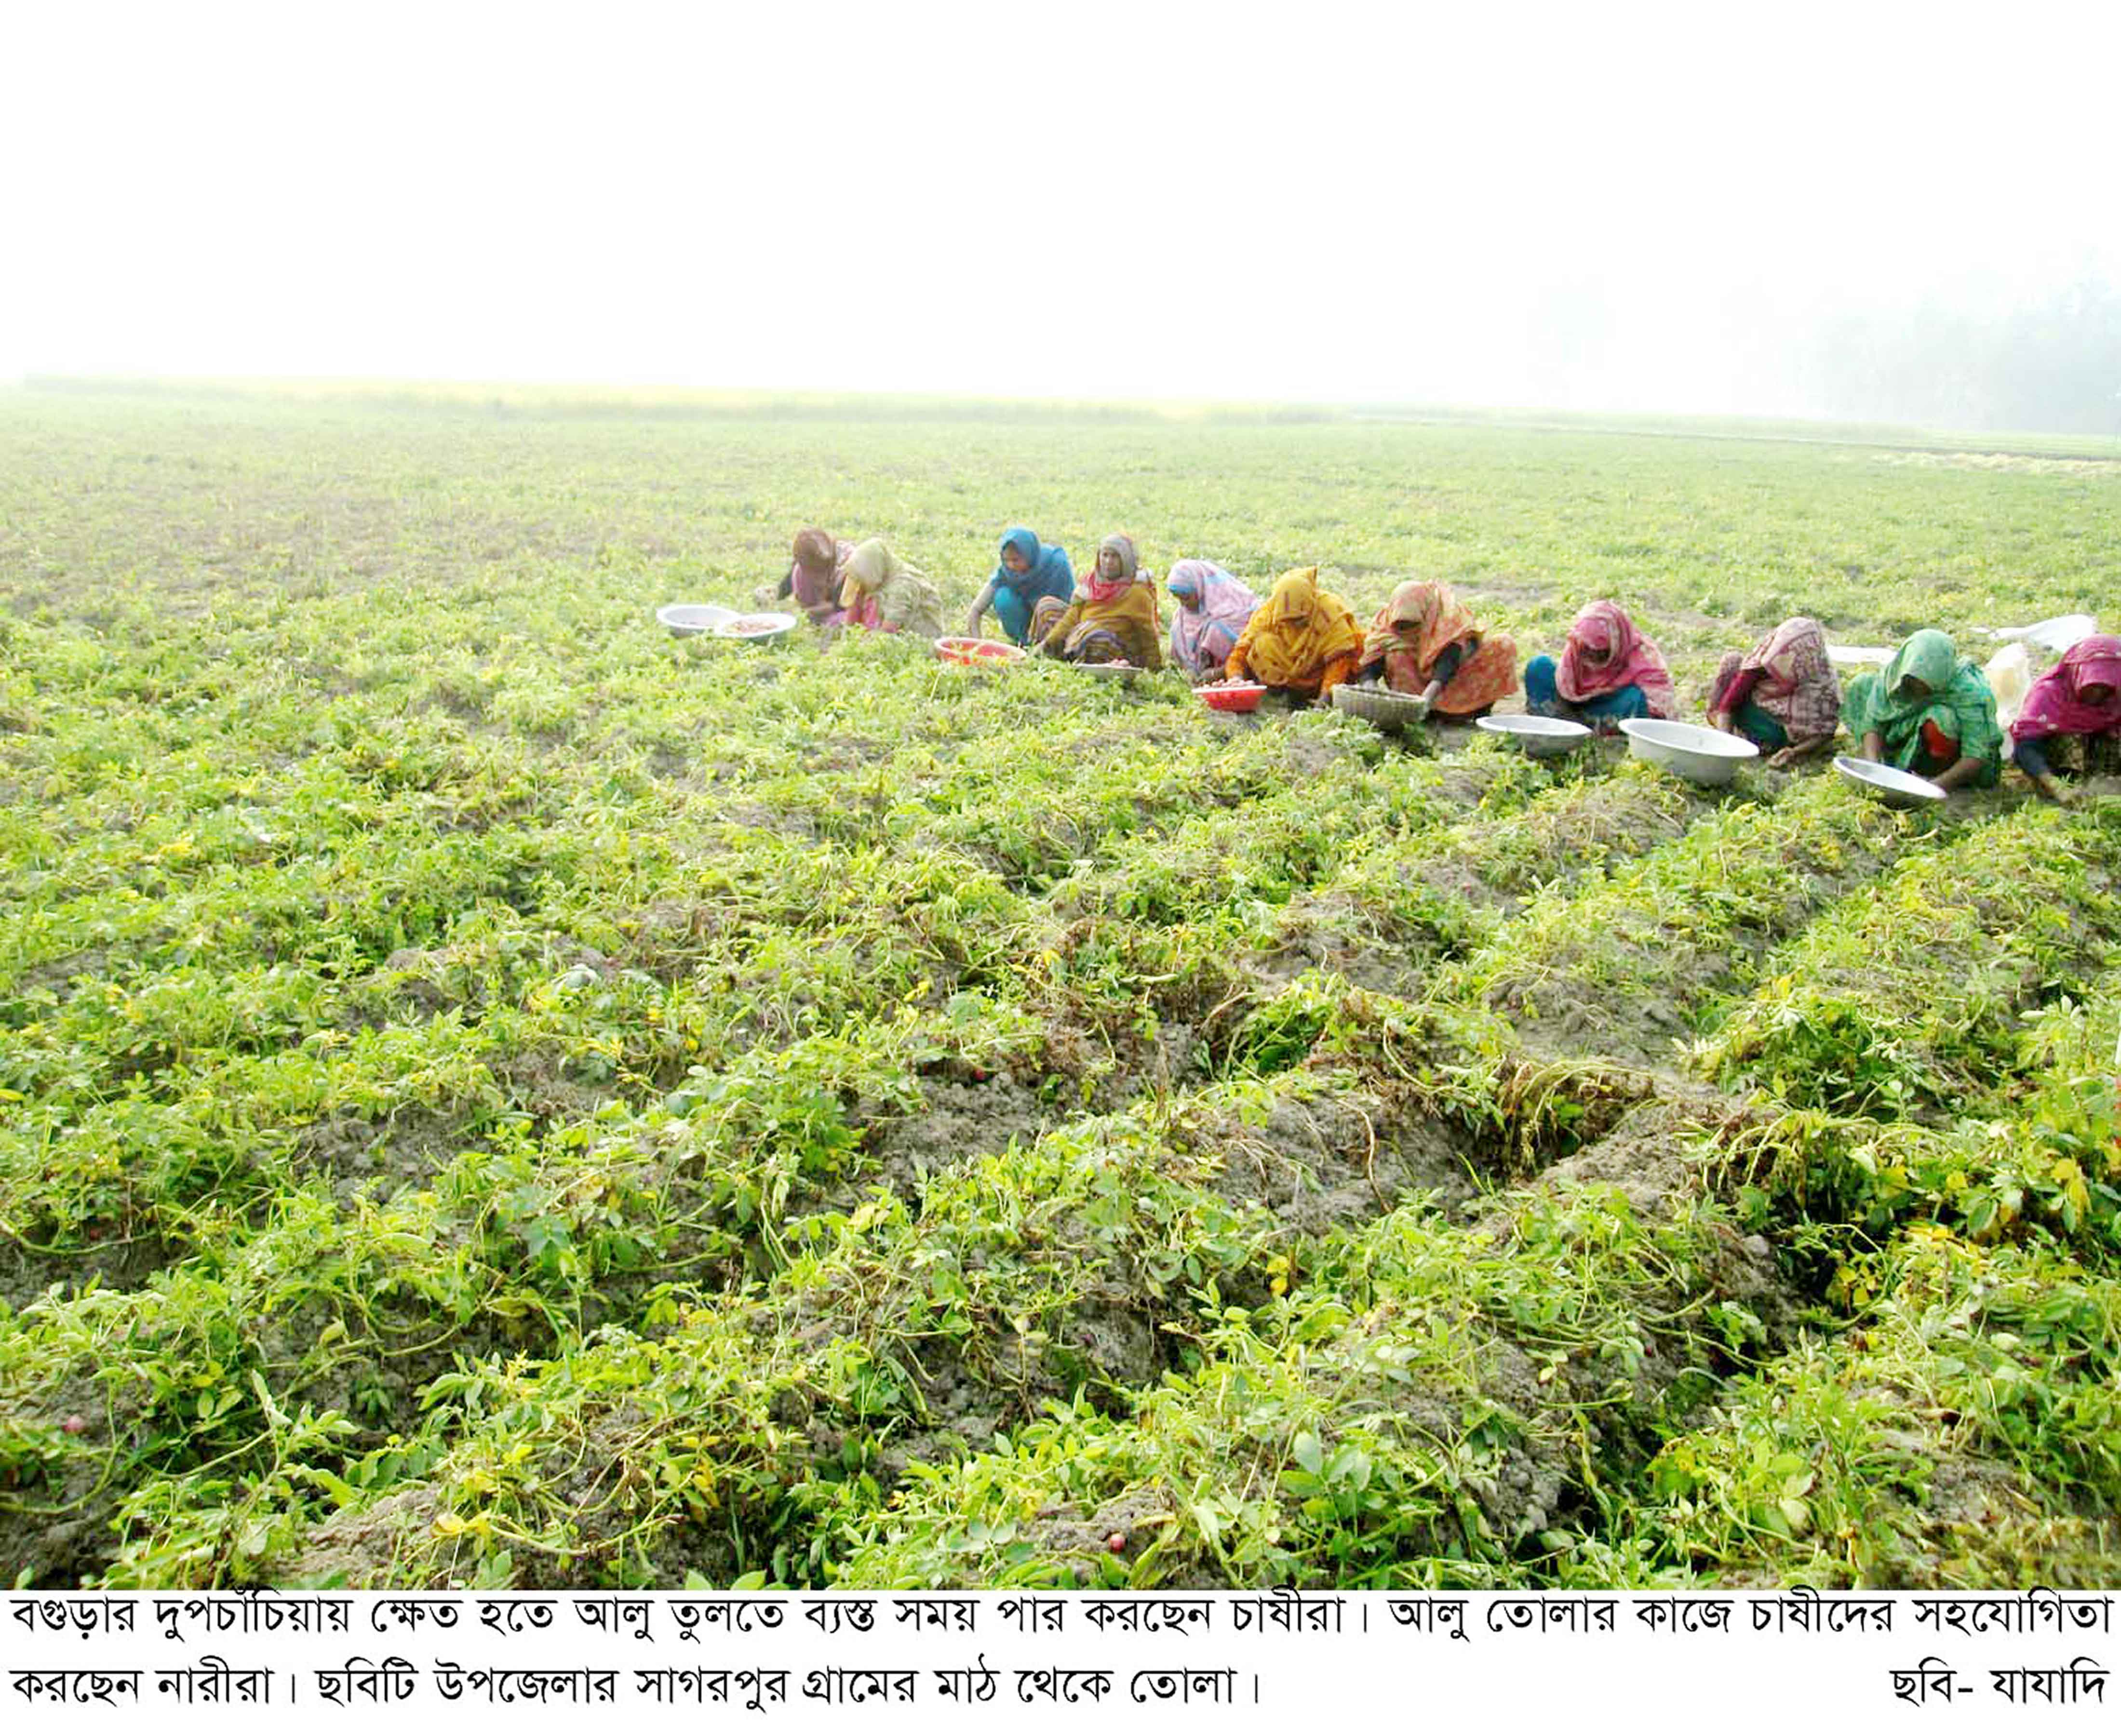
{"x":493,"y":1095}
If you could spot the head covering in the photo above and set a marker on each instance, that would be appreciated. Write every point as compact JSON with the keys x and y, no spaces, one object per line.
{"x":1958,"y":701}
{"x":1212,"y":609}
{"x":884,"y":592}
{"x":1045,"y":570}
{"x":1796,"y":684}
{"x":1127,"y":615}
{"x":1299,"y":630}
{"x":2057,"y":706}
{"x":1102,"y":590}
{"x":1423,"y":619}
{"x":1412,"y":636}
{"x":818,"y":556}
{"x":869,"y":568}
{"x":1928,"y":657}
{"x":1631,"y":660}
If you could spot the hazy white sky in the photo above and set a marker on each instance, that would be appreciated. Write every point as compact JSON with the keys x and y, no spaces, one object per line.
{"x":1614,"y":204}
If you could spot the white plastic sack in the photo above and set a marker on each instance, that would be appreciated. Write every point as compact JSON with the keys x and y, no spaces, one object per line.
{"x":2010,"y":673}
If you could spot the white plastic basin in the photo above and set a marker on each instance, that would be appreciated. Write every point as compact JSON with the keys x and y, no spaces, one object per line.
{"x":1698,"y":754}
{"x":1542,"y":738}
{"x":685,"y":619}
{"x":758,"y":627}
{"x":1888,"y":783}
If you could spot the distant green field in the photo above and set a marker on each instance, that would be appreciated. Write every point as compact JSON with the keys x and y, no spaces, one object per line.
{"x":491,"y":1093}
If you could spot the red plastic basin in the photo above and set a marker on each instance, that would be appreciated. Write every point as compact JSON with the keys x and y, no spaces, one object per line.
{"x":1242,"y":696}
{"x":958,"y":650}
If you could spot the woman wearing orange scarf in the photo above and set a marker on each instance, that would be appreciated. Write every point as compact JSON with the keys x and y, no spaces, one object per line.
{"x":1301,"y":641}
{"x":1424,"y":642}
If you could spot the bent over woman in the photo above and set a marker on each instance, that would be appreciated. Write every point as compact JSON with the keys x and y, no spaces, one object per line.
{"x":1932,"y":712}
{"x":1212,"y":609}
{"x":813,"y":577}
{"x":1425,"y":642}
{"x":1782,"y":695}
{"x":1301,"y":641}
{"x":2074,"y":711}
{"x":886,"y":594}
{"x":1607,"y":671}
{"x":1030,"y":572}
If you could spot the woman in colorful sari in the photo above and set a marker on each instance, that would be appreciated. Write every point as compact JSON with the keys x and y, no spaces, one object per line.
{"x":1212,"y":609}
{"x":1607,"y":671}
{"x":1030,"y":571}
{"x":1424,"y":642}
{"x":885,"y":594}
{"x":1782,"y":695}
{"x":2073,"y":710}
{"x":1930,"y":713}
{"x":813,"y":579}
{"x":1044,"y":613}
{"x":1112,"y":617}
{"x":1301,"y":641}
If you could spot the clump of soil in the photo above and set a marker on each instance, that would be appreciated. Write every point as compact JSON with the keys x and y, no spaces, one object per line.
{"x":959,"y":1120}
{"x":362,"y":1546}
{"x":405,"y":1148}
{"x":119,"y":1264}
{"x":1649,"y":1156}
{"x":1330,"y":1159}
{"x":55,"y":1527}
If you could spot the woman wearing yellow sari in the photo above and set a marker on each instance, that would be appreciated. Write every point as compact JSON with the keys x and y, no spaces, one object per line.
{"x":1112,"y":618}
{"x":1301,"y":641}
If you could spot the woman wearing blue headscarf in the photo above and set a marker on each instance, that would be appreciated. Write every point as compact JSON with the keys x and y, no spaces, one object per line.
{"x":1030,"y":572}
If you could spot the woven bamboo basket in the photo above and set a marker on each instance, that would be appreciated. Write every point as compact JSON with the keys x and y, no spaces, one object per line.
{"x":1380,"y":705}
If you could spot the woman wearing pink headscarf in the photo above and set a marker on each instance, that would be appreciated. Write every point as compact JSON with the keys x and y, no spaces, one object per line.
{"x":1607,"y":671}
{"x":1212,"y":609}
{"x":2079,"y":699}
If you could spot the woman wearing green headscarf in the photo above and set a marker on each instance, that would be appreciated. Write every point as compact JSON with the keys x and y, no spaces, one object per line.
{"x":887,"y":595}
{"x":1930,"y":713}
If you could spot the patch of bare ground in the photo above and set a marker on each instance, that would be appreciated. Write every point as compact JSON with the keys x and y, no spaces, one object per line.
{"x":1326,"y":1158}
{"x":55,"y":1516}
{"x":114,"y":1262}
{"x":958,"y":1119}
{"x":361,"y":1548}
{"x":375,"y":1156}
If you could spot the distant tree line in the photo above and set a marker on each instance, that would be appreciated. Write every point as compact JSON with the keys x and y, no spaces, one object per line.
{"x":2054,"y":366}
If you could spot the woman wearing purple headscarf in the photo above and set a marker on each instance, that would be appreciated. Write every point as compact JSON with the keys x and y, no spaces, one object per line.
{"x":1212,"y":609}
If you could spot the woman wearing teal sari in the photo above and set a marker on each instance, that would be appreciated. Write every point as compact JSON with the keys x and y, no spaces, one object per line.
{"x":1930,"y":713}
{"x":1030,"y":572}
